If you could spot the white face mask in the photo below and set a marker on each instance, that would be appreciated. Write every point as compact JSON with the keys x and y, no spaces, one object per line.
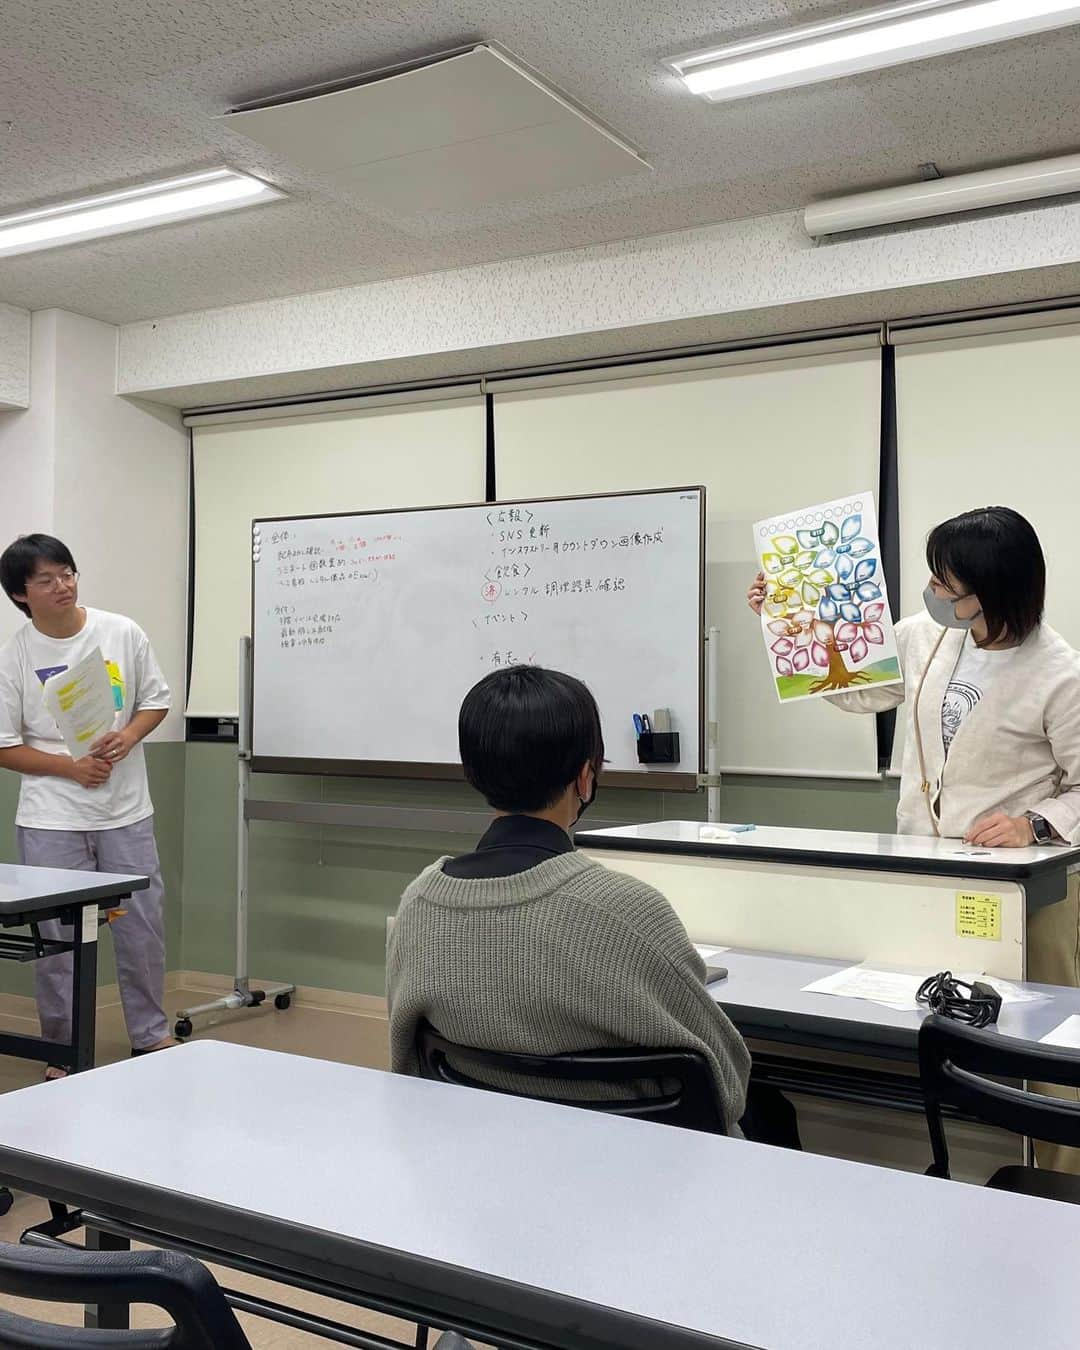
{"x":943,"y":611}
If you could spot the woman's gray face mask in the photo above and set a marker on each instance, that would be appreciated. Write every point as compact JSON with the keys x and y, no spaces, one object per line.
{"x":943,"y":611}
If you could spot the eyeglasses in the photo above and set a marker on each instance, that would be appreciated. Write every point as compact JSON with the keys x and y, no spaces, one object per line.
{"x":52,"y":581}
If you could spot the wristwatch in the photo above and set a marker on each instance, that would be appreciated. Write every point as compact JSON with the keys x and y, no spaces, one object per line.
{"x":1040,"y":828}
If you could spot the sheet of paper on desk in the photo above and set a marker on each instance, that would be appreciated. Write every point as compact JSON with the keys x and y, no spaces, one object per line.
{"x":1065,"y":1033}
{"x":897,"y":988}
{"x":1010,"y":993}
{"x":707,"y":953}
{"x":80,"y":699}
{"x":891,"y":988}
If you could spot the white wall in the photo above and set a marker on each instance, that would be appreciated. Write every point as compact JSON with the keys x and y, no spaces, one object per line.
{"x":14,"y":357}
{"x":27,"y":463}
{"x":109,"y":476}
{"x":333,"y":338}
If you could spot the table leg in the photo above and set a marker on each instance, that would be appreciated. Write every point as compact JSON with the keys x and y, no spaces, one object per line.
{"x":84,"y":990}
{"x":106,"y":1316}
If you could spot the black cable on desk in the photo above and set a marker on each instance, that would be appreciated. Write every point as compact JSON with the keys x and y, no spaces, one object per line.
{"x":945,"y":995}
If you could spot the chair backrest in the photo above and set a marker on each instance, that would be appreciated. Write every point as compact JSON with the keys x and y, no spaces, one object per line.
{"x":958,"y":1066}
{"x":689,"y":1097}
{"x":177,"y":1284}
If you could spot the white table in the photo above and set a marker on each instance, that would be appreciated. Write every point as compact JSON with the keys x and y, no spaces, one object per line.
{"x":765,"y":996}
{"x":1043,"y":869}
{"x":538,"y":1225}
{"x":881,"y":898}
{"x":29,"y":896}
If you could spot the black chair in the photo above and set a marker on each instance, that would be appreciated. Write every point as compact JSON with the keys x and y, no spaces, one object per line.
{"x":689,"y":1098}
{"x":958,"y":1066}
{"x":177,"y":1284}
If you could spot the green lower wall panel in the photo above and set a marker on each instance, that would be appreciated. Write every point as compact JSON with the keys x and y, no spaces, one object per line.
{"x":319,"y":896}
{"x":812,"y":803}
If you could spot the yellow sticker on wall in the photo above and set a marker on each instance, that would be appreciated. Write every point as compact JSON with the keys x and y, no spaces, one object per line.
{"x":978,"y":916}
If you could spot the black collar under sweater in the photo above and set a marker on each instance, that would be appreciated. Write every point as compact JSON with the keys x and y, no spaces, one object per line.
{"x":513,"y":844}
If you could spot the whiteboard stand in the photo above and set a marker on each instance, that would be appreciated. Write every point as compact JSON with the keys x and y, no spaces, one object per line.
{"x":712,"y":725}
{"x":242,"y":996}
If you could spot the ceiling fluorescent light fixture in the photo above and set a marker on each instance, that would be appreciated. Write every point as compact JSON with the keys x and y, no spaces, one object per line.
{"x":925,"y":199}
{"x":872,"y":39}
{"x":134,"y":208}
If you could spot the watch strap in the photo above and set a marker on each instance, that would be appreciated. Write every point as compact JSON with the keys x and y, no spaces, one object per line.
{"x":1040,"y":827}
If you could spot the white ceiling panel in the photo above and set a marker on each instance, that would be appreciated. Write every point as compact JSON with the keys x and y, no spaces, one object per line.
{"x":512,"y":165}
{"x":464,"y":96}
{"x":461,"y":132}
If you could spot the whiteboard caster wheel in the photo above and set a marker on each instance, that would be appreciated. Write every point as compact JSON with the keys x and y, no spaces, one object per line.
{"x":183,"y":1028}
{"x":282,"y":1001}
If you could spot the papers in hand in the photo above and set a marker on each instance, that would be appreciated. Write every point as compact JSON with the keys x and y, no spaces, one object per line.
{"x":80,"y":699}
{"x":896,"y":989}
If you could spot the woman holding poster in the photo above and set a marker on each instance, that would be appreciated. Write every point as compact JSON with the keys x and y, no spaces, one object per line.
{"x":992,"y":699}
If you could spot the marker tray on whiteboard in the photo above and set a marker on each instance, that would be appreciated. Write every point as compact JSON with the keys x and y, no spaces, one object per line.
{"x":658,"y":747}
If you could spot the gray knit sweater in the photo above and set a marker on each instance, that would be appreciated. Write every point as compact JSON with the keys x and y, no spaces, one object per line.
{"x":566,"y":956}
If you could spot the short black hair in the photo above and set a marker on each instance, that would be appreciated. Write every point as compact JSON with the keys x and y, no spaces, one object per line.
{"x":19,"y":562}
{"x":994,"y":553}
{"x":524,"y":735}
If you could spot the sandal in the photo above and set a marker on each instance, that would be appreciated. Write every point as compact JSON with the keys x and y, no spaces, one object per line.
{"x":153,"y":1049}
{"x":54,"y":1072}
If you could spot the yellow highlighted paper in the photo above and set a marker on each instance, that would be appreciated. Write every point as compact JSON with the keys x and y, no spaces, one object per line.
{"x":81,"y":701}
{"x":978,"y":915}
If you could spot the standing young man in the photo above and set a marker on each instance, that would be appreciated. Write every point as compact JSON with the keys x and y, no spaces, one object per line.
{"x":88,"y":814}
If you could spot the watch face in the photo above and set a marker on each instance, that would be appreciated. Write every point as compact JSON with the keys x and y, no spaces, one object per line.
{"x":1040,"y":829}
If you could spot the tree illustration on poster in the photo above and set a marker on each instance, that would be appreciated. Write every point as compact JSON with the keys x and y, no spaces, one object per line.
{"x":825,"y":621}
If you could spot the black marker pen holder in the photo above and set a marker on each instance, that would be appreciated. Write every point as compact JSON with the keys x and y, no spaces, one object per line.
{"x":658,"y":747}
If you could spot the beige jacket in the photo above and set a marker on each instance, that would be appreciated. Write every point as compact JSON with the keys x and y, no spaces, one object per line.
{"x":1017,"y":750}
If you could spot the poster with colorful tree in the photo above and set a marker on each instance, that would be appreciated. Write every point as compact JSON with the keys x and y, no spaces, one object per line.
{"x":826,"y":620}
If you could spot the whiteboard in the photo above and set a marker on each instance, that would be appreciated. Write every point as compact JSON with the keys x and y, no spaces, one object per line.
{"x":369,"y":629}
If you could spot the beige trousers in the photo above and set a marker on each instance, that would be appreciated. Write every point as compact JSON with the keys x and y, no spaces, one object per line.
{"x":1053,"y":957}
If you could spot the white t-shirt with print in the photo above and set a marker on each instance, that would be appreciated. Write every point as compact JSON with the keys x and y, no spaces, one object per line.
{"x":975,"y":672}
{"x":26,"y":662}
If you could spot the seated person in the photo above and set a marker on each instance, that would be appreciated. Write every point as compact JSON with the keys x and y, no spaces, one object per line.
{"x":527,"y":946}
